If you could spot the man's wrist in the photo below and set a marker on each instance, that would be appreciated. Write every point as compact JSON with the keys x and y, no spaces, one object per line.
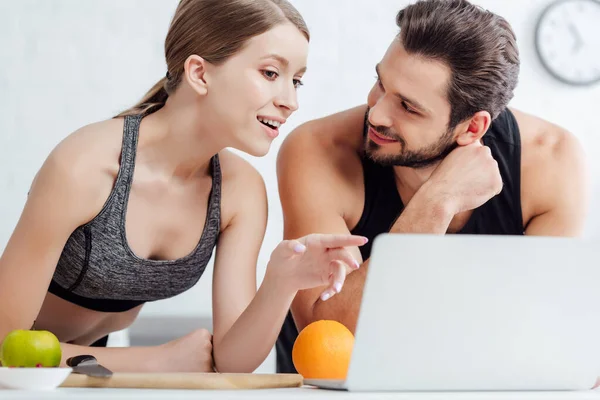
{"x":437,"y":201}
{"x":429,"y":211}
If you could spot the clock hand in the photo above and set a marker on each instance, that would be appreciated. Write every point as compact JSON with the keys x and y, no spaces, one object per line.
{"x":577,"y":35}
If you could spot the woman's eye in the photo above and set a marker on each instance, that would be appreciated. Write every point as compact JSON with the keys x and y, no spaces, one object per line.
{"x":298,"y":83}
{"x":271,"y":75}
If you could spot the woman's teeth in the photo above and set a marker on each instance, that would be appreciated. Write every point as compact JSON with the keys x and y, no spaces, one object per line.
{"x":273,"y":124}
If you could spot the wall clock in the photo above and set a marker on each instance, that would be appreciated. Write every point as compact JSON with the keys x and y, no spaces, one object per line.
{"x":568,"y":41}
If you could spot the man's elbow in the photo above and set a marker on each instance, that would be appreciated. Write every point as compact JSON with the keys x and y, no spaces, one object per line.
{"x":307,"y":308}
{"x":333,"y":310}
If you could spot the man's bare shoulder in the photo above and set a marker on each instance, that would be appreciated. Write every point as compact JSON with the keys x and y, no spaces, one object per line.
{"x":321,"y":159}
{"x":550,"y":156}
{"x":545,"y":144}
{"x":342,"y":130}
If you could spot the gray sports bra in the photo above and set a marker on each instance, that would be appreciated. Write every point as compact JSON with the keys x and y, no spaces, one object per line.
{"x":98,"y":270}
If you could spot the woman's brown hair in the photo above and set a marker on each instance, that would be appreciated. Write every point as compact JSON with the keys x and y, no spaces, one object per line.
{"x":214,"y":30}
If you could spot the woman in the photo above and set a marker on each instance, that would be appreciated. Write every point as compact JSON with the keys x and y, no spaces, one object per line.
{"x":129,"y":210}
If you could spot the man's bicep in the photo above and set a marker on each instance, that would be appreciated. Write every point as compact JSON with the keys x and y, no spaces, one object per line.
{"x":302,"y":219}
{"x":306,"y":218}
{"x":313,"y":192}
{"x":566,"y":194}
{"x":567,"y":222}
{"x":312,"y":202}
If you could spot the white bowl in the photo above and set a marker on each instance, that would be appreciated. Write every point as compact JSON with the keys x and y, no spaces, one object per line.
{"x":33,"y":378}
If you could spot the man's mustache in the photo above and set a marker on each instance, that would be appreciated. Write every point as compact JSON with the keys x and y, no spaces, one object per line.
{"x":386,"y":132}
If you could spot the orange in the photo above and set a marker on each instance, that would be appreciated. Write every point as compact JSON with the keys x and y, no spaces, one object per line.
{"x":322,"y":350}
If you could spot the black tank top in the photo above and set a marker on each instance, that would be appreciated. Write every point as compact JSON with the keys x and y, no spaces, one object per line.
{"x":502,"y":215}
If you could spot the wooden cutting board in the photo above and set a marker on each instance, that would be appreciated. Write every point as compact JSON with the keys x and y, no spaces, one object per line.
{"x":211,"y":381}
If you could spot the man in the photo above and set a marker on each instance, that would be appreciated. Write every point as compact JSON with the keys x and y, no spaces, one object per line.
{"x":436,"y":150}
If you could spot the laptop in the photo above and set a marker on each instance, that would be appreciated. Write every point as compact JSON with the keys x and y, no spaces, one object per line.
{"x":477,"y":313}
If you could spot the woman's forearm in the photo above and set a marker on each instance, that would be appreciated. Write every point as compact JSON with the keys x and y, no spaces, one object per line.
{"x":249,"y":341}
{"x":117,"y":359}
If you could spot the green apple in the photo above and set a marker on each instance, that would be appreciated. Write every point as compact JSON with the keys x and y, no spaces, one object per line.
{"x":29,"y":349}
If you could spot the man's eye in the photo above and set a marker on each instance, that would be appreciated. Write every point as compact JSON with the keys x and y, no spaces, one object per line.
{"x":407,"y":108}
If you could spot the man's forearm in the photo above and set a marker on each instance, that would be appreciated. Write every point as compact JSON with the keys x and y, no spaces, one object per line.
{"x":424,"y":214}
{"x":421,"y":215}
{"x":344,"y":306}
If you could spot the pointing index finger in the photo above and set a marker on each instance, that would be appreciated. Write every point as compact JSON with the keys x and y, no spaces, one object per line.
{"x":334,"y":241}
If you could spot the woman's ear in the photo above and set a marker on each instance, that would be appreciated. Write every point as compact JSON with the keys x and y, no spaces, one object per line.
{"x":195,"y":74}
{"x":474,"y":129}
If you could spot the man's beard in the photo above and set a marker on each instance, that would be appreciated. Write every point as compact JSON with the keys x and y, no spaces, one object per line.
{"x":422,"y":158}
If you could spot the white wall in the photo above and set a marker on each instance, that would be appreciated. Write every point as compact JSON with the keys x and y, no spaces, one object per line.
{"x":66,"y":63}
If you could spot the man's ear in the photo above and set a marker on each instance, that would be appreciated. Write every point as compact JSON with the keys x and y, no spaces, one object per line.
{"x":195,"y":74}
{"x":473,"y":129}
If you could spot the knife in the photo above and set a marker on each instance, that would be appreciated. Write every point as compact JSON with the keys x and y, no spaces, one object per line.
{"x":88,"y":365}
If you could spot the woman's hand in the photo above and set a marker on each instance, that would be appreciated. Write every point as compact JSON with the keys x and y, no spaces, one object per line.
{"x":315,"y":260}
{"x":190,"y":353}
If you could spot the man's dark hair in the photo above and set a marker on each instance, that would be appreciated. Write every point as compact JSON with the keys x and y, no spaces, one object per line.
{"x":478,"y":46}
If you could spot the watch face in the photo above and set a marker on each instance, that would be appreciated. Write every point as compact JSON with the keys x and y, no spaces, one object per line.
{"x":568,"y":41}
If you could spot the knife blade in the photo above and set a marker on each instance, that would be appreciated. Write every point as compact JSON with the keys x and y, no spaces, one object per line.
{"x":88,"y":365}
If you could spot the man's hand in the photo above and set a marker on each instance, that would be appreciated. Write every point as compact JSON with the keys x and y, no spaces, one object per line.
{"x":466,"y":179}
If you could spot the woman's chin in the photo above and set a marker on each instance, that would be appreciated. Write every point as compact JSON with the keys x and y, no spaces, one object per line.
{"x":260,"y":148}
{"x":257,"y":149}
{"x":261,"y":152}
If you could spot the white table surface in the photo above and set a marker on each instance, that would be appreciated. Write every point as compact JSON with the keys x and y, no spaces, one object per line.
{"x":284,"y":394}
